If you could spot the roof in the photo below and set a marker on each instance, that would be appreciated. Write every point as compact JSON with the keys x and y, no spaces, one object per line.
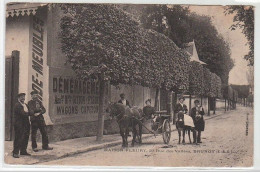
{"x":192,"y":51}
{"x":17,"y":9}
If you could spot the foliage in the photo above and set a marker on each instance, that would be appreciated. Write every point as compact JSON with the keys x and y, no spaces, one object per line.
{"x":250,"y":98}
{"x":211,"y":84}
{"x":182,"y":26}
{"x":244,"y":19}
{"x":243,"y":90}
{"x":206,"y":81}
{"x":94,"y":35}
{"x":196,"y":78}
{"x":219,"y":87}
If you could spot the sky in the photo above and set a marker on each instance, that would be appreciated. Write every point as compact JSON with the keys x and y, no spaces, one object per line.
{"x":236,"y":39}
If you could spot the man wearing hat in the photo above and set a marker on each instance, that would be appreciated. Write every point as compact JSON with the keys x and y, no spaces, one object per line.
{"x":197,"y":113}
{"x":21,"y":127}
{"x":123,"y":100}
{"x":37,"y":122}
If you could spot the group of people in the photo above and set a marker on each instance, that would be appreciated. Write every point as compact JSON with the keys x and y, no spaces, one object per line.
{"x":26,"y":117}
{"x":196,"y":113}
{"x":30,"y":116}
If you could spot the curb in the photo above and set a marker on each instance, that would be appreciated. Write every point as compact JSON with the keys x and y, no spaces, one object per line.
{"x":104,"y":145}
{"x":88,"y":149}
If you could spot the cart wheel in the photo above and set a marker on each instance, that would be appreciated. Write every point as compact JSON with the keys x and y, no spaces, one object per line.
{"x":166,"y":131}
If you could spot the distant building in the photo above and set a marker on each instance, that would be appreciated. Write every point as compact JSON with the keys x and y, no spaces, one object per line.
{"x":192,"y":51}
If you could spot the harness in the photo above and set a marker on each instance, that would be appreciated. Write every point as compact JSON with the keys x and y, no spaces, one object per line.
{"x":118,"y":121}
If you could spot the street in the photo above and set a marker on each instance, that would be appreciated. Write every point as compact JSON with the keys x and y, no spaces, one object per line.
{"x":226,"y":142}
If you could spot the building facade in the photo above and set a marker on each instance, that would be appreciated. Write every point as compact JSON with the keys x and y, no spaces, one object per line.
{"x":32,"y":36}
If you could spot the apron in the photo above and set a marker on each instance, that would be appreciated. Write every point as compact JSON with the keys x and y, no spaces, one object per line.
{"x":188,"y":121}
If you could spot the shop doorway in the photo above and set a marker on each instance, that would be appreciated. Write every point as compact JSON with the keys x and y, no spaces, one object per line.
{"x":11,"y":91}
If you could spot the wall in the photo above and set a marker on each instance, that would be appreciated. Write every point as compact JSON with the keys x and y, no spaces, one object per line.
{"x":220,"y":104}
{"x":38,"y":71}
{"x":193,"y":98}
{"x":136,"y":95}
{"x":73,"y":112}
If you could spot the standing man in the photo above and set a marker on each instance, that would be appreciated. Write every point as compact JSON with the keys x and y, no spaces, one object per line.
{"x":21,"y":127}
{"x":197,"y":113}
{"x":123,"y":100}
{"x":37,"y":122}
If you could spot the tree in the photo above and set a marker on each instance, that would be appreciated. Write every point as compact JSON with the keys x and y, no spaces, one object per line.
{"x":244,"y":19}
{"x":196,"y":79}
{"x":211,"y":46}
{"x":243,"y":90}
{"x":105,"y":43}
{"x":182,"y":26}
{"x":250,"y":77}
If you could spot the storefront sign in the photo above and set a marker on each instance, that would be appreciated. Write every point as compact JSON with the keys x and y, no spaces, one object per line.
{"x":38,"y":56}
{"x":38,"y":69}
{"x":74,"y":97}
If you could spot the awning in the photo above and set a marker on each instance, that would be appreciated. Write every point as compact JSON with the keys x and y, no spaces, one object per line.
{"x":17,"y":9}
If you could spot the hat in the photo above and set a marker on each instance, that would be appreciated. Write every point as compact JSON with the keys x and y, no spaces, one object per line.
{"x":34,"y":92}
{"x":181,"y":97}
{"x":148,"y":100}
{"x":122,"y":94}
{"x":21,"y":94}
{"x":196,"y":101}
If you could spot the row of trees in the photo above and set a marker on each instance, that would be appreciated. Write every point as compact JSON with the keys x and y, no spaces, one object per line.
{"x":182,"y":26}
{"x":202,"y":82}
{"x":103,"y":42}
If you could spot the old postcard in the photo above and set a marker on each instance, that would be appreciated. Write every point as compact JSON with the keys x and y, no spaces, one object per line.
{"x":152,"y":85}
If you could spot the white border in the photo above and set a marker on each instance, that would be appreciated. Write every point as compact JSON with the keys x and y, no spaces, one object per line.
{"x":256,"y":167}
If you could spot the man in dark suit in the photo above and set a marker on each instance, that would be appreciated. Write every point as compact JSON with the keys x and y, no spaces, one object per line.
{"x":37,"y":122}
{"x":197,"y":114}
{"x":123,"y":100}
{"x":21,"y":127}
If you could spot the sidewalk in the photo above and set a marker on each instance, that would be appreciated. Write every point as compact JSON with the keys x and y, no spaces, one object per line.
{"x":73,"y":146}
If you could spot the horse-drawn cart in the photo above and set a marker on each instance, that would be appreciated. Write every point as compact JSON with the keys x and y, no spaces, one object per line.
{"x":159,"y":124}
{"x":133,"y":119}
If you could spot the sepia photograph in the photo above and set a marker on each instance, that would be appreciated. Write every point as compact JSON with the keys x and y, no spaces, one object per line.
{"x":137,"y":85}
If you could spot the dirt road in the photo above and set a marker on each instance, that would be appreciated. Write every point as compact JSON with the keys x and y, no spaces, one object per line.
{"x":227,"y":142}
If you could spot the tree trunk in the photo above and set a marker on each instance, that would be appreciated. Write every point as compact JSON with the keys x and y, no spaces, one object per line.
{"x":156,"y":103}
{"x":208,"y":106}
{"x":214,"y":111}
{"x":169,"y":104}
{"x":225,"y":105}
{"x":174,"y":106}
{"x":101,"y":108}
{"x":189,"y":104}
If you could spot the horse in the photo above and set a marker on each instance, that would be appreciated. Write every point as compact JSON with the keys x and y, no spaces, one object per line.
{"x":126,"y":117}
{"x":181,"y":127}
